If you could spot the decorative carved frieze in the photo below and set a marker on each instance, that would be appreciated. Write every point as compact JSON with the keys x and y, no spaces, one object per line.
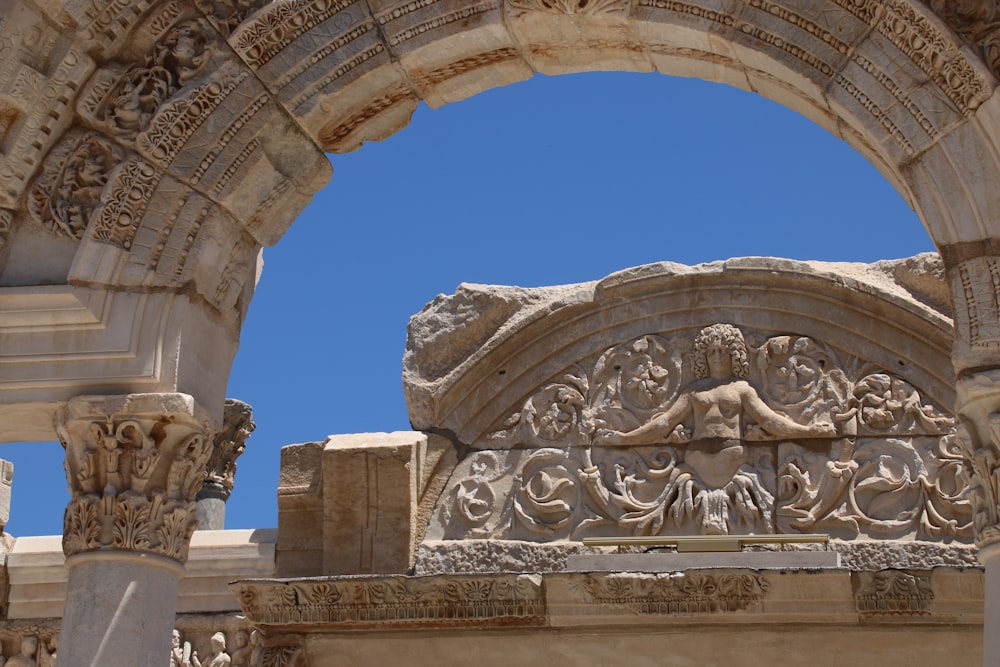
{"x":779,"y":436}
{"x":220,"y":471}
{"x":383,"y":602}
{"x":977,"y":22}
{"x":892,"y":593}
{"x":580,"y":7}
{"x":39,"y":80}
{"x":133,"y":464}
{"x":693,"y":592}
{"x":125,"y":203}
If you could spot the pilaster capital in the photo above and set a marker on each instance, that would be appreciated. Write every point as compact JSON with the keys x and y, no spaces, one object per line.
{"x":133,"y":464}
{"x":229,"y":444}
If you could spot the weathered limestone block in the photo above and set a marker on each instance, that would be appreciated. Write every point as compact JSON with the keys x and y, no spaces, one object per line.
{"x":143,"y":342}
{"x":151,"y":230}
{"x":451,"y":49}
{"x":358,"y":504}
{"x":299,"y":551}
{"x":369,"y":503}
{"x":690,"y":40}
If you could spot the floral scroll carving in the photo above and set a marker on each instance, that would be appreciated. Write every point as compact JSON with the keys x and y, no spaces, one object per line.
{"x":690,"y":593}
{"x":66,"y":196}
{"x":396,"y":601}
{"x":133,"y":465}
{"x":713,"y":434}
{"x":123,"y":101}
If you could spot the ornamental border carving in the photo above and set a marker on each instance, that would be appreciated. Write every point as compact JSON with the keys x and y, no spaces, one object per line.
{"x":372,"y":602}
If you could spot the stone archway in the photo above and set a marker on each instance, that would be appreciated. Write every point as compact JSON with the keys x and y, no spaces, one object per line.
{"x":149,"y":150}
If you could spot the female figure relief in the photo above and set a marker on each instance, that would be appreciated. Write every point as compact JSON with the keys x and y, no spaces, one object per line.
{"x":717,"y":400}
{"x":709,"y":484}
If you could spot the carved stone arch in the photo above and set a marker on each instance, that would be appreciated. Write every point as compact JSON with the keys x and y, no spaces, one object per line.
{"x":194,"y":162}
{"x":216,"y":114}
{"x":149,"y":149}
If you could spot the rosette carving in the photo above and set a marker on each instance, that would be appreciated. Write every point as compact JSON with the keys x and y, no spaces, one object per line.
{"x":133,"y":464}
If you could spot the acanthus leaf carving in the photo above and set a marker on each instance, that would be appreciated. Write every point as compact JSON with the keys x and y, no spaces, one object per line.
{"x":977,"y":22}
{"x":133,"y":465}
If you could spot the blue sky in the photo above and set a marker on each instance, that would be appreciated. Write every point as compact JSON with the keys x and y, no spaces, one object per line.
{"x":552,"y":180}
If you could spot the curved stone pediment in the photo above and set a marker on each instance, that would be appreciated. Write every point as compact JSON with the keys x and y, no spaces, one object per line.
{"x":625,"y":407}
{"x":475,"y":358}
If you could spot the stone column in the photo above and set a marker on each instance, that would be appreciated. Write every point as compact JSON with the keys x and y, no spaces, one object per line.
{"x":134,"y":464}
{"x":973,"y":271}
{"x":220,"y":472}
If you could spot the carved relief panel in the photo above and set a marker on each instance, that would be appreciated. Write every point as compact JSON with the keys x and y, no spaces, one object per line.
{"x":721,"y":431}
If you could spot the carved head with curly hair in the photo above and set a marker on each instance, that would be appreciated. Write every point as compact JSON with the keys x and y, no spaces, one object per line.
{"x":727,"y":337}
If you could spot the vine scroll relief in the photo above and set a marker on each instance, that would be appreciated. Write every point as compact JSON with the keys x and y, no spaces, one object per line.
{"x":709,"y":434}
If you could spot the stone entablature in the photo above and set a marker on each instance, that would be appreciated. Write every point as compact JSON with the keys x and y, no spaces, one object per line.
{"x":302,"y":617}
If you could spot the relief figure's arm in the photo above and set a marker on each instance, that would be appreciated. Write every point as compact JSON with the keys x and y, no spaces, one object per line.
{"x":653,"y":431}
{"x":778,"y":424}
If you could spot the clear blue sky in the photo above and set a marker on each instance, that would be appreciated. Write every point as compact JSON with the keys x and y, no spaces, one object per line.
{"x":549,"y":181}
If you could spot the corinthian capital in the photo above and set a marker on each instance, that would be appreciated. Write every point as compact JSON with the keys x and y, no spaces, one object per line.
{"x":220,"y":471}
{"x":134,"y":464}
